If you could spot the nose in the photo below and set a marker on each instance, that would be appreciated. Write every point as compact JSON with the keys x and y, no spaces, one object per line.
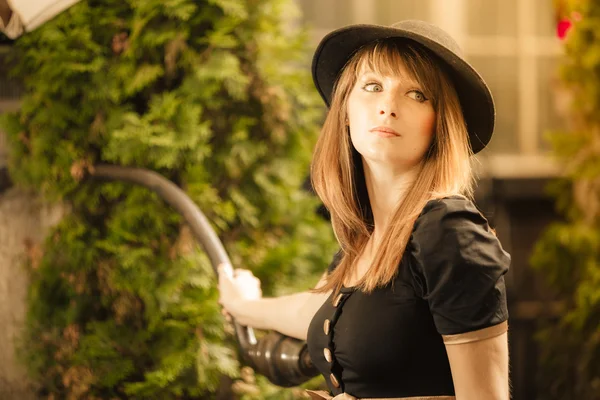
{"x":391,"y":113}
{"x":389,"y":106}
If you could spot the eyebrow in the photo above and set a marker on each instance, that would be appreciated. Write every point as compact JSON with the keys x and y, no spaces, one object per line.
{"x":406,"y":79}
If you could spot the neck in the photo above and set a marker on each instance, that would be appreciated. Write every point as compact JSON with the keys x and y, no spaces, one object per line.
{"x":386,"y":190}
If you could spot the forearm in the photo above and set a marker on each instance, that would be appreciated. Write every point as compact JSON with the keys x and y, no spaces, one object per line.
{"x":289,"y":314}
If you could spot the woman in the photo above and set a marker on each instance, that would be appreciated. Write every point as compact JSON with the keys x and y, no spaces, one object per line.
{"x":413,"y":305}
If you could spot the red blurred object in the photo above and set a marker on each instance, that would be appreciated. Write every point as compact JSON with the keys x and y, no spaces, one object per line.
{"x":562,"y":28}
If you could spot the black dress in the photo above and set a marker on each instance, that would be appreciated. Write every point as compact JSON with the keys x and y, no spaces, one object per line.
{"x":388,"y":343}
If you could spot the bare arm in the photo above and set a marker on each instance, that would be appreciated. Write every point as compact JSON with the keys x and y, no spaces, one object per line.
{"x":480,"y":368}
{"x":290,"y":314}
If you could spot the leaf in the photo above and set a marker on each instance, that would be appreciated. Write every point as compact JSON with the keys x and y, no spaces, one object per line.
{"x":145,"y":76}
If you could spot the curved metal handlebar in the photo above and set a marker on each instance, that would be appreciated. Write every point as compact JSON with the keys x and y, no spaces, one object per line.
{"x":283,"y":360}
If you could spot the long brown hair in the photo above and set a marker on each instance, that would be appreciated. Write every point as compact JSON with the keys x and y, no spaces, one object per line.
{"x":337,"y":173}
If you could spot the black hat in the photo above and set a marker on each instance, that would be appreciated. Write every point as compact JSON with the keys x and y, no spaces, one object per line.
{"x":476,"y":100}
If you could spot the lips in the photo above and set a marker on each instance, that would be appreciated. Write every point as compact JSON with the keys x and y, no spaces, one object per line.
{"x":386,"y":131}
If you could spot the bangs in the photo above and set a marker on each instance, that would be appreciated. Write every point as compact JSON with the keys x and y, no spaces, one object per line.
{"x":385,"y":57}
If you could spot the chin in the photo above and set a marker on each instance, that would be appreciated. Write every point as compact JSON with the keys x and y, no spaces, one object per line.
{"x":390,"y":158}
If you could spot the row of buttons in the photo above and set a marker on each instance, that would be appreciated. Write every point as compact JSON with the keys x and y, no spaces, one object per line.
{"x":327,"y":328}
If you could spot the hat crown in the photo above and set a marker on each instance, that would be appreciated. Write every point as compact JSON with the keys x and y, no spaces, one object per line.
{"x":431,"y":32}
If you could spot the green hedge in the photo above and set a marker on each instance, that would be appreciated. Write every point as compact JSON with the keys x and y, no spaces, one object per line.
{"x":568,"y":253}
{"x":216,"y":96}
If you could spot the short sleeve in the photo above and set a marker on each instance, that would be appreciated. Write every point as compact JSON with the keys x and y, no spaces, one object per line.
{"x":458,"y":266}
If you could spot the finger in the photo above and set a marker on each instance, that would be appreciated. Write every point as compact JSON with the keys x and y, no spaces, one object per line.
{"x":238,"y":272}
{"x":225,"y":269}
{"x":245,"y":280}
{"x":246,"y":277}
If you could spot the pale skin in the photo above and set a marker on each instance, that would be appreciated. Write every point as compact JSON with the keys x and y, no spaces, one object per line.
{"x":480,"y":368}
{"x":390,"y":162}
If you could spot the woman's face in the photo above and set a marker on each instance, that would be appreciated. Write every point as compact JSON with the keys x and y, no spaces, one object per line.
{"x":391,"y":121}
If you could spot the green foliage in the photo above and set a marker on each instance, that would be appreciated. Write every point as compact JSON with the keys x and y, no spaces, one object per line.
{"x":123,"y":304}
{"x":568,"y":253}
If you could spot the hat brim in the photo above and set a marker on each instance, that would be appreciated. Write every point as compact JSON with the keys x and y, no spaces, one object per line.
{"x":336,"y":48}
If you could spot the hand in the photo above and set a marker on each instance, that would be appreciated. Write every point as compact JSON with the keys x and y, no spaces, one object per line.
{"x":236,"y":287}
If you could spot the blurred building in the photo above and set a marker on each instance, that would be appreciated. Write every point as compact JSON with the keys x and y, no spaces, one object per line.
{"x":514,"y":45}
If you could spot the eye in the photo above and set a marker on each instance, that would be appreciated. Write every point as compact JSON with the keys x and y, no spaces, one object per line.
{"x":417,"y":95}
{"x":373,"y":87}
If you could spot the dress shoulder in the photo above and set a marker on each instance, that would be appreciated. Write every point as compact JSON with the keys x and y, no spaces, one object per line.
{"x":458,"y":265}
